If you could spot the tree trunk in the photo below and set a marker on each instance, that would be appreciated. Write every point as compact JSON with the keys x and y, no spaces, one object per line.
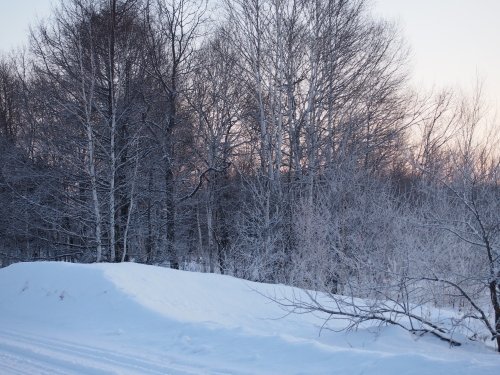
{"x":112,"y":116}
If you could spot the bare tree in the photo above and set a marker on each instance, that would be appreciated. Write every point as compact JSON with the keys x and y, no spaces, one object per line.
{"x":84,"y":60}
{"x":173,"y":30}
{"x":216,"y":98}
{"x":473,"y":218}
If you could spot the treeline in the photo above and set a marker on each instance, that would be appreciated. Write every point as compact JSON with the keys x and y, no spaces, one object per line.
{"x":274,"y":140}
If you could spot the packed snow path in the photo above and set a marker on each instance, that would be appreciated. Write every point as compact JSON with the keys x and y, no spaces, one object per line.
{"x":60,"y":318}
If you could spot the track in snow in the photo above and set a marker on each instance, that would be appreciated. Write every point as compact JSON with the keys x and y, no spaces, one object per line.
{"x":26,"y":354}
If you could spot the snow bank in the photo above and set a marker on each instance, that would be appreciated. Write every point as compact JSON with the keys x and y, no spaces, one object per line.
{"x":136,"y":319}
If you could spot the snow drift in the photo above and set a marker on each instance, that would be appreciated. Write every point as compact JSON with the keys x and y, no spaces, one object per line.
{"x":62,"y":318}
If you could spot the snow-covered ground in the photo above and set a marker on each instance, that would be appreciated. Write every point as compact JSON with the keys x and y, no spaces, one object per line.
{"x":62,"y":318}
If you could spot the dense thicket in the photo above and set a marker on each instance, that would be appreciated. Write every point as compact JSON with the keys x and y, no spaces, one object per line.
{"x":274,"y":140}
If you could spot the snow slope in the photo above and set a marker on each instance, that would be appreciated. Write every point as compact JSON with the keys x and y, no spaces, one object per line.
{"x":62,"y":318}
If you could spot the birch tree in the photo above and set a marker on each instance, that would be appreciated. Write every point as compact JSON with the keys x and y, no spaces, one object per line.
{"x":66,"y":61}
{"x":173,"y":28}
{"x":216,"y":99}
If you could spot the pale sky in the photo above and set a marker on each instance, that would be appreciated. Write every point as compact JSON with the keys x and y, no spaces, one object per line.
{"x":15,"y":18}
{"x":452,"y":41}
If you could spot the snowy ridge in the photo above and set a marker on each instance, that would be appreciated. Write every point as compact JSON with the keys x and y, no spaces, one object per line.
{"x":61,"y":318}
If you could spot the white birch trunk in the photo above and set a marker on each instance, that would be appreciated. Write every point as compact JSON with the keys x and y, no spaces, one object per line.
{"x":88,"y":103}
{"x":129,"y":213}
{"x":112,"y":208}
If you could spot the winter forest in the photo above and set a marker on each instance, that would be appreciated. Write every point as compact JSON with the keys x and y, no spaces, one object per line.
{"x":277,"y":141}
